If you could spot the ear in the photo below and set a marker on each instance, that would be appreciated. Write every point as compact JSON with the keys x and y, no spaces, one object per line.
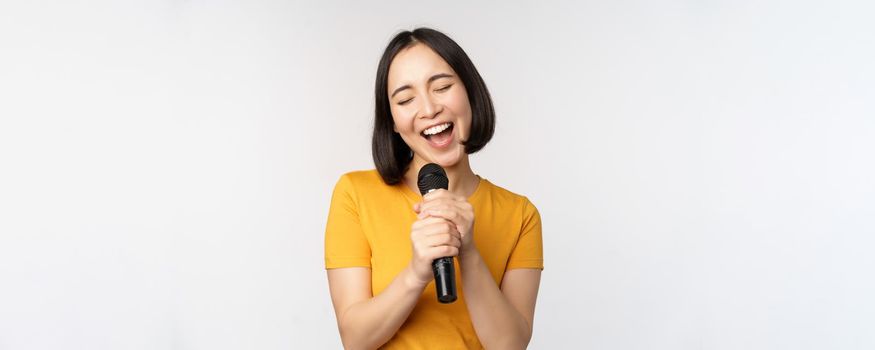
{"x":395,"y":128}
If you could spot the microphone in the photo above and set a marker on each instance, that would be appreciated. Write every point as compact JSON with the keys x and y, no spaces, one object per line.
{"x":433,"y":177}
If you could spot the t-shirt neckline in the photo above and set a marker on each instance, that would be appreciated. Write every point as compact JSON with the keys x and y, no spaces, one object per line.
{"x":417,"y":197}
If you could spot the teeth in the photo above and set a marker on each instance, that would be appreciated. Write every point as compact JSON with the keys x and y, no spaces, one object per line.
{"x":436,"y":129}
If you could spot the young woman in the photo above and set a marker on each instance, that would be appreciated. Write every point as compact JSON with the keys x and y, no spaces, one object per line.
{"x":432,"y":106}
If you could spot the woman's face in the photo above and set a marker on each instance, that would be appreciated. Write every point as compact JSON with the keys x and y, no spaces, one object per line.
{"x":429,"y":106}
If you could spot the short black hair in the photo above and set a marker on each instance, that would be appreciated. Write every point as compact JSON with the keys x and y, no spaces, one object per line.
{"x":391,"y":155}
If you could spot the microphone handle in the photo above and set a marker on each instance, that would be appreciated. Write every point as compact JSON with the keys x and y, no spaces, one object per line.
{"x":444,"y":279}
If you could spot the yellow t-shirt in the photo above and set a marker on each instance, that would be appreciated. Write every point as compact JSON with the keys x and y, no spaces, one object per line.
{"x":369,"y":226}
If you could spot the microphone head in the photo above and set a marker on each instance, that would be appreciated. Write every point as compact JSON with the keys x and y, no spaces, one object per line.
{"x":432,"y":177}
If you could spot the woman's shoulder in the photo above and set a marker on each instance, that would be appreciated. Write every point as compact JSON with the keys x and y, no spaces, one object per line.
{"x":362,"y":176}
{"x":512,"y":203}
{"x":360,"y":180}
{"x":500,"y":194}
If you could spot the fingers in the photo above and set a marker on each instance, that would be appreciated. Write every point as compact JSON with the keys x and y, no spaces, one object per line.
{"x":442,"y":194}
{"x":442,"y":251}
{"x":445,"y":202}
{"x":458,"y":213}
{"x":435,"y":236}
{"x":432,"y":238}
{"x":446,"y":214}
{"x":442,"y":202}
{"x":430,"y":254}
{"x":442,"y":239}
{"x":433,"y":226}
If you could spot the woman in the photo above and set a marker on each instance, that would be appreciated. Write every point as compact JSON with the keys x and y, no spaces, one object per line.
{"x":432,"y":106}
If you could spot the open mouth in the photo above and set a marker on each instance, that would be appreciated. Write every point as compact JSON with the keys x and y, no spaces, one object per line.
{"x":439,"y":135}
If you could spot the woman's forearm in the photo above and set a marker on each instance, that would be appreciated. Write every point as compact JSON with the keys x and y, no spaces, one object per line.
{"x":371,"y":323}
{"x":497,"y":323}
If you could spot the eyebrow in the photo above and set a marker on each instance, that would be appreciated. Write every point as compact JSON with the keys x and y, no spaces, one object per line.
{"x":433,"y":78}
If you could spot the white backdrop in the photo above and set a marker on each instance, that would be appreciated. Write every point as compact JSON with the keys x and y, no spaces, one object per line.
{"x":703,"y":168}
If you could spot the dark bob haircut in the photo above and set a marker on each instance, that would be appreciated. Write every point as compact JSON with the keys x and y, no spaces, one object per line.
{"x":391,"y":155}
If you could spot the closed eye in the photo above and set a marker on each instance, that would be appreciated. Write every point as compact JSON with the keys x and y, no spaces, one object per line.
{"x":445,"y":88}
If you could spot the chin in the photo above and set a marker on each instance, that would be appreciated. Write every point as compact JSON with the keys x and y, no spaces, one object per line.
{"x":450,"y":159}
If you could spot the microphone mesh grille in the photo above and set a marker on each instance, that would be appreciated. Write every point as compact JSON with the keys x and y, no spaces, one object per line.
{"x":432,"y":177}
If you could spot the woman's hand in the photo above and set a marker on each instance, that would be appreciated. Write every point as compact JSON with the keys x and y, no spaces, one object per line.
{"x":451,"y":208}
{"x":432,"y":238}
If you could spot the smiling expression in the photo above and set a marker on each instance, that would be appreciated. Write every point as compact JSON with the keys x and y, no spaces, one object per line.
{"x":429,"y":106}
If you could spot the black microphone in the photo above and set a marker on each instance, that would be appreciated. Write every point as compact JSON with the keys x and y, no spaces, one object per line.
{"x":432,"y":177}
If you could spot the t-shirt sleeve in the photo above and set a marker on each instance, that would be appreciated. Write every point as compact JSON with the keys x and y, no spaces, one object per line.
{"x":529,"y":251}
{"x":345,"y":242}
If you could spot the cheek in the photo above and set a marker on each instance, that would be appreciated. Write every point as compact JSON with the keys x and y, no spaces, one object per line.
{"x":402,"y":124}
{"x":462,"y":107}
{"x":404,"y":127}
{"x":459,"y":102}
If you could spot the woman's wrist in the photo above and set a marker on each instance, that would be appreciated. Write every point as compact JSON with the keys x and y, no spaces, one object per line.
{"x":469,"y":253}
{"x":411,"y":281}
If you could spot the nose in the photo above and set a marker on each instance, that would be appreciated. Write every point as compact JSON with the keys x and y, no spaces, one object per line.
{"x":430,"y":108}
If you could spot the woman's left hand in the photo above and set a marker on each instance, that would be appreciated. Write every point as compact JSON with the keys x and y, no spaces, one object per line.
{"x":454,"y":208}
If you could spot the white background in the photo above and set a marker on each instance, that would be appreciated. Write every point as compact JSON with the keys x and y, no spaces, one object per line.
{"x":704,"y":169}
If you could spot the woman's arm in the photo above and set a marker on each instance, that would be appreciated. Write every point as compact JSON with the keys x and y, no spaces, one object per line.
{"x":502,"y":317}
{"x":366,"y":322}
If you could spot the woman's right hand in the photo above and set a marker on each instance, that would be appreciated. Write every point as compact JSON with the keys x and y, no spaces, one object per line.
{"x":432,"y":238}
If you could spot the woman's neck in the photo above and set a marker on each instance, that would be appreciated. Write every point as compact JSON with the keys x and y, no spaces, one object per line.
{"x":462,"y":179}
